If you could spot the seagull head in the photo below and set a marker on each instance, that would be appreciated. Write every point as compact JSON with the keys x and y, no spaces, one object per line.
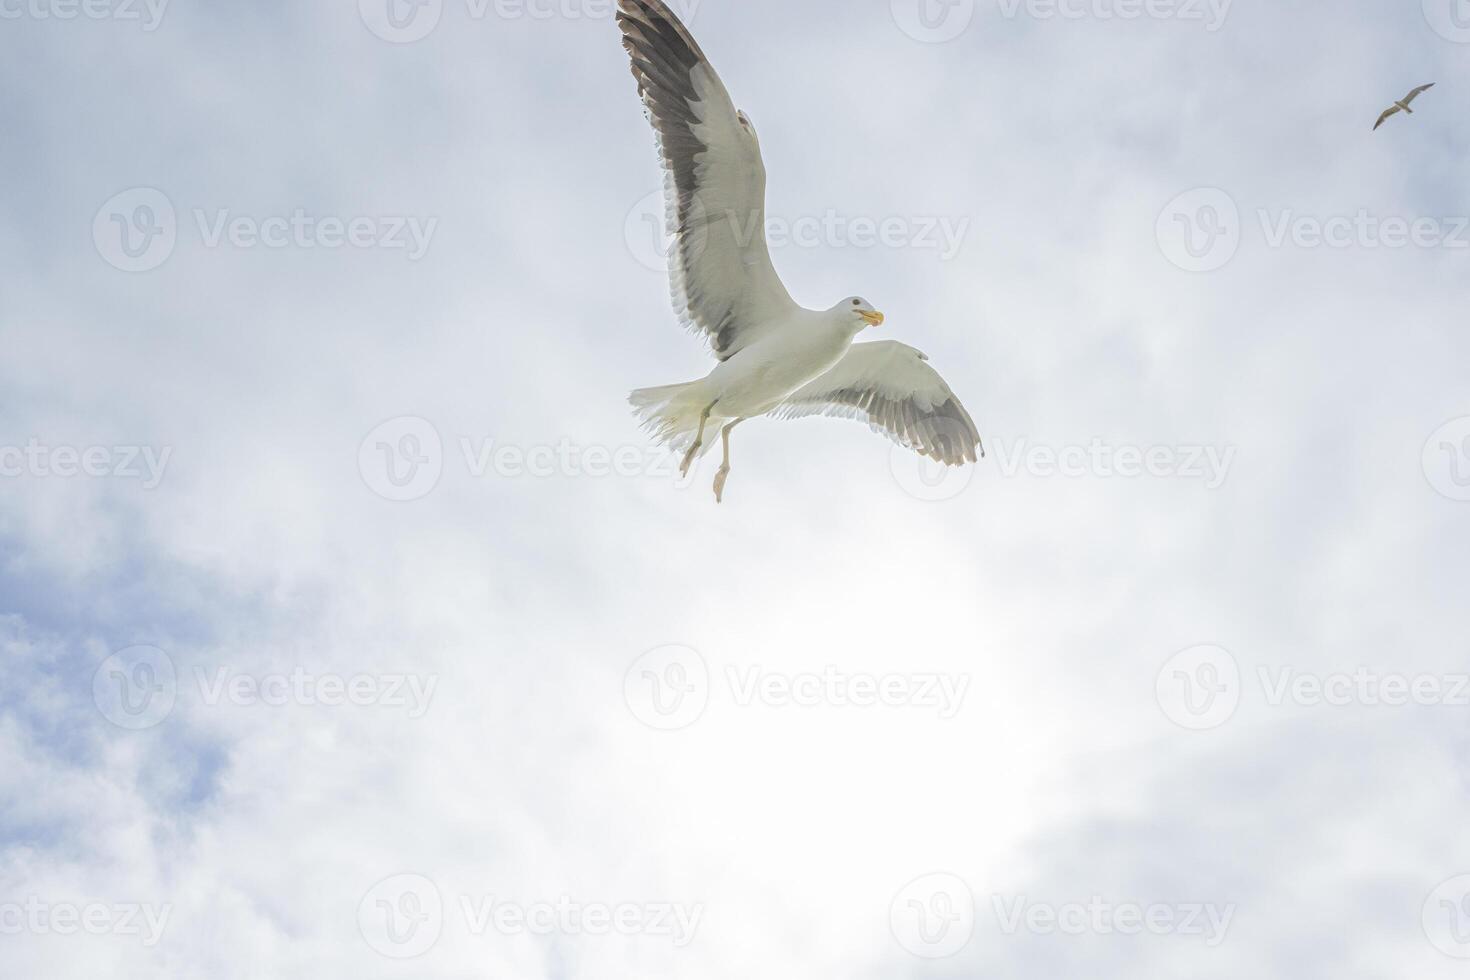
{"x":861,"y":311}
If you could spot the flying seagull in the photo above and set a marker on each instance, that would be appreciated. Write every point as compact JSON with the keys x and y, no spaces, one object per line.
{"x":776,"y":358}
{"x":1403,"y":104}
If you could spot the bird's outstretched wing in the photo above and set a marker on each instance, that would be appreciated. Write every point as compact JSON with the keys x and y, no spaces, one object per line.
{"x":1386,"y":113}
{"x":1417,"y":92}
{"x":723,"y":283}
{"x":892,"y":387}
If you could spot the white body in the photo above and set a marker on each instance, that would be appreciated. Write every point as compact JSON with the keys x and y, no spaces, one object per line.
{"x":785,"y":354}
{"x":797,"y":350}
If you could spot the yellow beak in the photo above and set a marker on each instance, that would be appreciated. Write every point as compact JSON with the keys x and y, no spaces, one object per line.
{"x":875,"y":318}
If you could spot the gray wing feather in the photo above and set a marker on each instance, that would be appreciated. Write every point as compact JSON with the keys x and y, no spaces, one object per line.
{"x":1418,"y":92}
{"x":891,"y":387}
{"x":723,"y":283}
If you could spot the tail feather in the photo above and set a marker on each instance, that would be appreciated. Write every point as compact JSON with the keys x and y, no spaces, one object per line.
{"x":671,"y":414}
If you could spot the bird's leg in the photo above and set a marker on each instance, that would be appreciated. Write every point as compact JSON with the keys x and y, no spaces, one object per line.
{"x":698,"y":441}
{"x":724,"y":473}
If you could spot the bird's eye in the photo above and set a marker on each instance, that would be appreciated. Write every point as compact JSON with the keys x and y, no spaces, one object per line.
{"x":857,"y":302}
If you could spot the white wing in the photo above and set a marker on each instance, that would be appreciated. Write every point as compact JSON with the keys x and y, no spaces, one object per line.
{"x":1408,"y":99}
{"x":1386,"y":113}
{"x":892,"y":387}
{"x":723,"y":283}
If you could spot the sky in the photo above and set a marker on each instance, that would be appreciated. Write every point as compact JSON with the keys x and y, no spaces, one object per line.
{"x":349,"y":626}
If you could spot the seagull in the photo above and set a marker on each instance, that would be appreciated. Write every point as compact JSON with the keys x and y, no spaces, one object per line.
{"x":775,"y":357}
{"x":1403,"y":104}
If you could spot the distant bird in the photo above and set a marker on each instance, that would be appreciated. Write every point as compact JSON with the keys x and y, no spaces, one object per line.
{"x":1403,"y":104}
{"x":776,"y":358}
